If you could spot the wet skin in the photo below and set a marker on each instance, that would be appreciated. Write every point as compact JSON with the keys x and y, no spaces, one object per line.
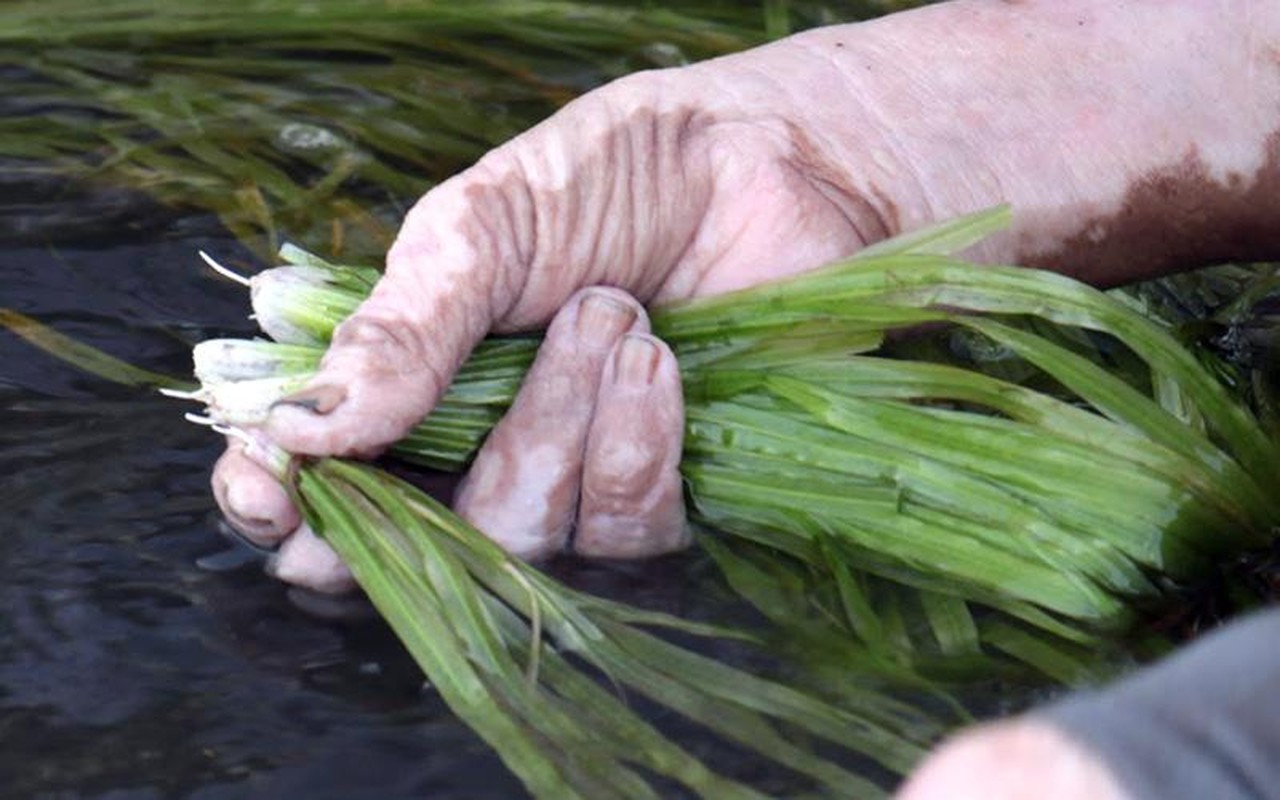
{"x":1132,"y":139}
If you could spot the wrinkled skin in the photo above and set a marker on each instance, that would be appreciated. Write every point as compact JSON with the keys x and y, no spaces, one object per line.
{"x":1131,"y":138}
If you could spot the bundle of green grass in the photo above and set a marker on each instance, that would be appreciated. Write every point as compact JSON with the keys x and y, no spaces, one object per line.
{"x":1001,"y":510}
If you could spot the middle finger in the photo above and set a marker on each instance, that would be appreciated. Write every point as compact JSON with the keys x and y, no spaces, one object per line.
{"x":522,"y":490}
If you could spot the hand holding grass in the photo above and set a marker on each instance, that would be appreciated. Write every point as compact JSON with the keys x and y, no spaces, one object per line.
{"x":598,"y":368}
{"x":1125,"y":190}
{"x":697,"y":180}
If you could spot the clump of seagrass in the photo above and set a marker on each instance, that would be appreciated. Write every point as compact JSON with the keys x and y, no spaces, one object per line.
{"x":326,"y":119}
{"x":928,"y":474}
{"x":993,"y":516}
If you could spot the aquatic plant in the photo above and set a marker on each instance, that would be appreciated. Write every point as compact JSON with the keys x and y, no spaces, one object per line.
{"x":325,"y":121}
{"x":505,"y":646}
{"x":1012,"y":519}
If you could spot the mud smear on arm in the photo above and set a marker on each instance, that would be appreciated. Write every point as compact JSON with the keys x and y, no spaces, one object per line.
{"x":1176,"y":218}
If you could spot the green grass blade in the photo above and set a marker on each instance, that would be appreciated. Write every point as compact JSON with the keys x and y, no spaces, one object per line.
{"x":85,"y":357}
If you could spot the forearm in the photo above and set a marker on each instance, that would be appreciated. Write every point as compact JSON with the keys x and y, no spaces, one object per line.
{"x":1131,"y":138}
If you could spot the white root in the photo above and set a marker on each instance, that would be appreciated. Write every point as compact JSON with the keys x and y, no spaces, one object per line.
{"x":223,"y":271}
{"x":178,"y":394}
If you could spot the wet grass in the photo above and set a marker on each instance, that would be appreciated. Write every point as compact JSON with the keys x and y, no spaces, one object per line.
{"x":321,"y":125}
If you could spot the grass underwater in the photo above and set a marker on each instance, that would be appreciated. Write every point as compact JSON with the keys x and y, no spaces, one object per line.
{"x":992,"y":504}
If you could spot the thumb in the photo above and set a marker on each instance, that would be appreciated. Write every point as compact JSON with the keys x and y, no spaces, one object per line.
{"x":390,"y":361}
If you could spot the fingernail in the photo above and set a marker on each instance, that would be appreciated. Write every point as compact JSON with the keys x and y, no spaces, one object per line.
{"x":602,"y":318}
{"x":232,"y":530}
{"x":637,"y":361}
{"x":320,"y":399}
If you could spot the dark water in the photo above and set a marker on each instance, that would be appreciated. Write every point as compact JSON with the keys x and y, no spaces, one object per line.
{"x":136,"y":659}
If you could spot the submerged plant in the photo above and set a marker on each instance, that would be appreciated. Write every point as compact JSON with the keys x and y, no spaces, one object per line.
{"x":326,"y":120}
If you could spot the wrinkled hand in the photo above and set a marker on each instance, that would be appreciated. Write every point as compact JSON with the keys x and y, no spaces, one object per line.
{"x":648,"y":186}
{"x":693,"y":181}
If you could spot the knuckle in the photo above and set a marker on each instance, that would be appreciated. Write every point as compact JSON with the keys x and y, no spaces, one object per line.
{"x":624,"y":468}
{"x":522,"y":500}
{"x":367,"y":331}
{"x":600,"y":290}
{"x":377,"y":346}
{"x":652,"y":529}
{"x":554,"y":397}
{"x":634,"y":90}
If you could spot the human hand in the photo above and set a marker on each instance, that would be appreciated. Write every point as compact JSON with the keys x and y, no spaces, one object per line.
{"x":649,"y":187}
{"x":698,"y":180}
{"x":1012,"y":760}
